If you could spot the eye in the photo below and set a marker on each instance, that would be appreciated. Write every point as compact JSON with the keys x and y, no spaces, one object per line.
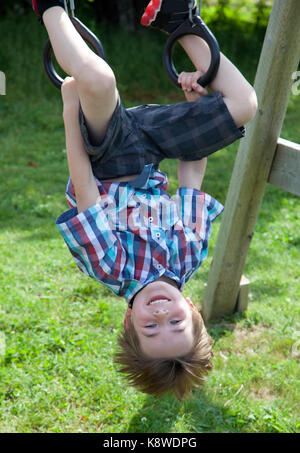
{"x":151,"y":326}
{"x":175,"y":321}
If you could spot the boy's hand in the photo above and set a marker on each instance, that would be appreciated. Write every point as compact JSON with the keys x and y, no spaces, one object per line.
{"x":189,"y":83}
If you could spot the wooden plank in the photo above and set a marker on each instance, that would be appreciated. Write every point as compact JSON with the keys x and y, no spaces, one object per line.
{"x":285,"y":171}
{"x":273,"y":83}
{"x":242,"y":300}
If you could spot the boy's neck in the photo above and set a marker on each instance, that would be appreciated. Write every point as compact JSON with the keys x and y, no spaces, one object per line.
{"x":121,"y":178}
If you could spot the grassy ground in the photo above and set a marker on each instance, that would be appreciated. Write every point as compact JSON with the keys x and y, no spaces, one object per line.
{"x":58,"y":328}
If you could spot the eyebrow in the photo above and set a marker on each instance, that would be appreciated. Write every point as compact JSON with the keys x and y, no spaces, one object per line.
{"x":155,"y":334}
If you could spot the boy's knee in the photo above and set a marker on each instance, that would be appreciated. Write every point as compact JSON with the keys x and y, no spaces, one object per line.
{"x":97,"y":80}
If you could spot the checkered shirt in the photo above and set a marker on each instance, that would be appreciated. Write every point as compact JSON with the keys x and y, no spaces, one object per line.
{"x":132,"y":236}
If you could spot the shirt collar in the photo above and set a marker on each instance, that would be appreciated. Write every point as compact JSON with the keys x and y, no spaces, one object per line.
{"x":141,"y":182}
{"x":150,"y":178}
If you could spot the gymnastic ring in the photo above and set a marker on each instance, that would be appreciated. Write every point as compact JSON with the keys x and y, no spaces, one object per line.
{"x":86,"y":34}
{"x":199,"y":28}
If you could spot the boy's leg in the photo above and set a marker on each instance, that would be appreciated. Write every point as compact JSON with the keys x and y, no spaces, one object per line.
{"x":96,"y":82}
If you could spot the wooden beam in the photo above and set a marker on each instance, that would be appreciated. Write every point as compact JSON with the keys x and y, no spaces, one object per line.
{"x":243,"y":295}
{"x":285,"y":171}
{"x":273,"y":83}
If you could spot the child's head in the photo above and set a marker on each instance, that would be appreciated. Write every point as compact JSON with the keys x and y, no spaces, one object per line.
{"x":164,"y":345}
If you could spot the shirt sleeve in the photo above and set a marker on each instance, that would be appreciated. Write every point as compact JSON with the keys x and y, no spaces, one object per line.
{"x":93,"y":245}
{"x":70,"y":195}
{"x":197,"y":210}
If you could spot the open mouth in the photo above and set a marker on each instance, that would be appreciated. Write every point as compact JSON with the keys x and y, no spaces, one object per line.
{"x":158,"y":299}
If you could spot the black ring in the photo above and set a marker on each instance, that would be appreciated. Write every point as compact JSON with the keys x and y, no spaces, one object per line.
{"x":199,"y":28}
{"x":86,"y":34}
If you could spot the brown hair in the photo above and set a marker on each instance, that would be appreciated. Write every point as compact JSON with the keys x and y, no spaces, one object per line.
{"x":158,"y":376}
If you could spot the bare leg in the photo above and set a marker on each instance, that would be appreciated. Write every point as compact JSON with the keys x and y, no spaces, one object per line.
{"x":238,"y":94}
{"x":95,"y":80}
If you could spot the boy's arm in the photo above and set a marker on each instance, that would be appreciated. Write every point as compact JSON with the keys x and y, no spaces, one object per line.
{"x":238,"y":94}
{"x":80,"y":169}
{"x":191,"y":173}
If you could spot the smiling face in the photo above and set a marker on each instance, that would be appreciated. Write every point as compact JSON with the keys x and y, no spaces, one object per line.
{"x":162,"y":319}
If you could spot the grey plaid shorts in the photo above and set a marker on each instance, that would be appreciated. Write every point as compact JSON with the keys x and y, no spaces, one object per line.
{"x":150,"y":133}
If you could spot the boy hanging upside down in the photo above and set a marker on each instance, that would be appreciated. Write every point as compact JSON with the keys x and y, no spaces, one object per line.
{"x":123,"y":228}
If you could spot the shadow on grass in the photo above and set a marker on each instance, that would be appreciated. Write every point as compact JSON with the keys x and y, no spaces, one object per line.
{"x":199,"y":412}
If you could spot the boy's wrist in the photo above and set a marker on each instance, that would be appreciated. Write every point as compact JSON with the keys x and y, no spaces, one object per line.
{"x":191,"y":173}
{"x":198,"y":51}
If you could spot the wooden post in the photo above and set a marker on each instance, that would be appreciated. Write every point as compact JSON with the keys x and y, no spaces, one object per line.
{"x":273,"y":83}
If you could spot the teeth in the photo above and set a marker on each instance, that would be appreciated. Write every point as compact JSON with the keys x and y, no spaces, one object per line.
{"x":158,"y":301}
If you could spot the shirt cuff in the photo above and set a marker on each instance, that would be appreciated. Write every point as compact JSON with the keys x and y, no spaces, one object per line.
{"x":86,"y":231}
{"x":197,"y":210}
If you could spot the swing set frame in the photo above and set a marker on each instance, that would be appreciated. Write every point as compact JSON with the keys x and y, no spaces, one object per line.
{"x":263,"y":157}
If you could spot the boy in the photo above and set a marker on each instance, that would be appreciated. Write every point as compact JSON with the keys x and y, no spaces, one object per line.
{"x":123,"y":228}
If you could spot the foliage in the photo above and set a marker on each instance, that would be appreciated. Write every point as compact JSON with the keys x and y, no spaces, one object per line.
{"x":128,"y":12}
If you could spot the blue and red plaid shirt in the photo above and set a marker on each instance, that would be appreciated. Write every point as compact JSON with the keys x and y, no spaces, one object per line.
{"x":132,"y":236}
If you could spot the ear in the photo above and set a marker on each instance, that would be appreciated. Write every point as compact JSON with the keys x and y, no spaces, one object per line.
{"x":127,"y":317}
{"x":190,"y":302}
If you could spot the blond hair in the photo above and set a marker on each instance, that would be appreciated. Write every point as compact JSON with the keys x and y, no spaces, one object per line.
{"x":157,"y":376}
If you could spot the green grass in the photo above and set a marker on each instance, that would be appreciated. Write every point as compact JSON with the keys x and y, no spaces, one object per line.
{"x":58,"y":328}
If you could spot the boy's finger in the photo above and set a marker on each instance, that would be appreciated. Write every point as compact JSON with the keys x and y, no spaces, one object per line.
{"x":196,"y":76}
{"x":185,"y":86}
{"x":184,"y":83}
{"x":199,"y":89}
{"x":191,"y":82}
{"x":181,"y":77}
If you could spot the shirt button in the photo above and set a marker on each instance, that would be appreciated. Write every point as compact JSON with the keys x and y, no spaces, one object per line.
{"x":144,"y":195}
{"x":158,"y":235}
{"x":159,"y":267}
{"x":150,"y":219}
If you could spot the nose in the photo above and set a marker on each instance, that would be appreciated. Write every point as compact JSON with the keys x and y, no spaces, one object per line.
{"x":160,"y":312}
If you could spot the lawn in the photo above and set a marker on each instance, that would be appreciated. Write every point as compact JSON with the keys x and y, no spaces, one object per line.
{"x":58,"y":328}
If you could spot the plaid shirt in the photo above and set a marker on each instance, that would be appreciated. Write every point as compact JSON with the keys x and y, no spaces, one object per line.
{"x":132,"y":236}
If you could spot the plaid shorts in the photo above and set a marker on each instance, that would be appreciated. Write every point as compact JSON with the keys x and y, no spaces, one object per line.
{"x":150,"y":133}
